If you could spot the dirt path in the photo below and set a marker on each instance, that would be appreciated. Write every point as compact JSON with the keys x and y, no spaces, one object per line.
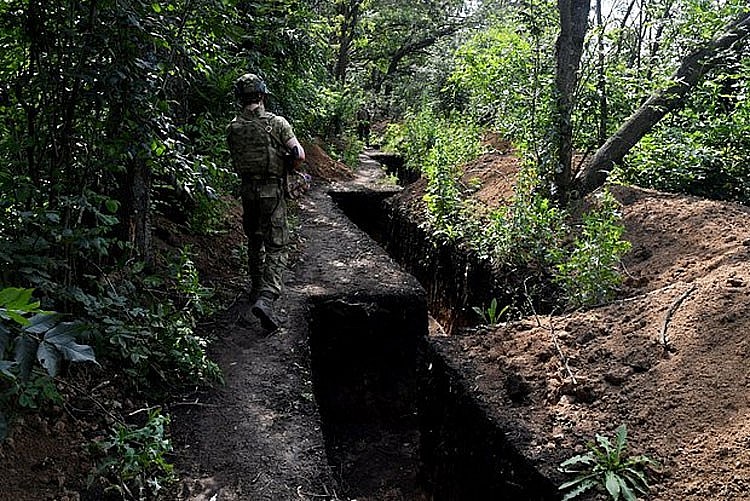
{"x":261,"y":437}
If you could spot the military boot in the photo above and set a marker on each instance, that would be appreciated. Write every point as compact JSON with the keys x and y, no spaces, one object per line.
{"x":263,"y":309}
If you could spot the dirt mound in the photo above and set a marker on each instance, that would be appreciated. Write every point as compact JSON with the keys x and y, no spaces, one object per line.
{"x":669,"y":358}
{"x":322,"y":166}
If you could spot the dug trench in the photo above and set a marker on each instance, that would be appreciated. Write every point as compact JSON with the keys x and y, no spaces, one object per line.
{"x":464,"y":452}
{"x":383,"y":415}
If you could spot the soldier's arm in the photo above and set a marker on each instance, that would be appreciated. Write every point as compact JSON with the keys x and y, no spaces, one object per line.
{"x":294,"y":145}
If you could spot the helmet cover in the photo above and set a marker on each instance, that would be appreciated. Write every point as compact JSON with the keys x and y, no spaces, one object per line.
{"x":250,"y":83}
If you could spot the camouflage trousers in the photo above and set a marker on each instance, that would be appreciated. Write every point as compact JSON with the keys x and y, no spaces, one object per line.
{"x":265,"y":224}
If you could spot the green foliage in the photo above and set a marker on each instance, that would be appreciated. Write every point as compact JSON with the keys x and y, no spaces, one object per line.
{"x":589,"y":271}
{"x":136,"y":463}
{"x":490,"y":315}
{"x":55,"y":244}
{"x":192,"y":294}
{"x":495,"y":69}
{"x":456,"y":142}
{"x":606,"y":467}
{"x":703,"y":149}
{"x":529,"y":231}
{"x":154,"y":339}
{"x":30,"y":340}
{"x":414,"y":137}
{"x":438,"y":147}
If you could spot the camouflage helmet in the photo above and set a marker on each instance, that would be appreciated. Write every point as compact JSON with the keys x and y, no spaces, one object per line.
{"x":249,"y":83}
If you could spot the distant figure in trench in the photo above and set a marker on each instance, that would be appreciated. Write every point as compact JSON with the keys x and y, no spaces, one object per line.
{"x":363,"y":125}
{"x":263,"y":147}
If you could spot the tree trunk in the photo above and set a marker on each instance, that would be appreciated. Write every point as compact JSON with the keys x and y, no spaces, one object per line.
{"x":573,"y":25}
{"x":135,"y":211}
{"x":349,"y":20}
{"x":601,"y":86}
{"x":689,"y":74}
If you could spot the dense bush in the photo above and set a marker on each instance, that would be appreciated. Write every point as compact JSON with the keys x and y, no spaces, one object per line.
{"x":529,"y":231}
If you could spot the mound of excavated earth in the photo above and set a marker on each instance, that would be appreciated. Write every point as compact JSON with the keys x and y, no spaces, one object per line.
{"x":670,"y":359}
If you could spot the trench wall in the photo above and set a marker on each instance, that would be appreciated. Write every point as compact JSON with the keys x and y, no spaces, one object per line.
{"x":375,"y":367}
{"x":465,"y":453}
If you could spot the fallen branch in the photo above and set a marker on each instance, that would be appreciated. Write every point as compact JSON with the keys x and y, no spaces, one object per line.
{"x":663,"y":338}
{"x":644,"y":295}
{"x":560,"y":352}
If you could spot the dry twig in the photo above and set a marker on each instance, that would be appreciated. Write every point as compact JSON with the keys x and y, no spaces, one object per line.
{"x":551,"y":329}
{"x":663,"y":338}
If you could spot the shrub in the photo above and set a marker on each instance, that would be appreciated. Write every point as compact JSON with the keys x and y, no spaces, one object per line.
{"x":136,"y":464}
{"x":588,"y":271}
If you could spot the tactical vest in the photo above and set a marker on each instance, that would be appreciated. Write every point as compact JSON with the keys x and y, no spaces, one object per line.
{"x":256,"y":153}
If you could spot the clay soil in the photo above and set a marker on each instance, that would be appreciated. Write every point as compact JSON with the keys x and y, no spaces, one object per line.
{"x":668,"y":358}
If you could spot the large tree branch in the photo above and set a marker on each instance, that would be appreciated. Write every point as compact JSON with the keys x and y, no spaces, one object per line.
{"x":693,"y":68}
{"x":414,"y":47}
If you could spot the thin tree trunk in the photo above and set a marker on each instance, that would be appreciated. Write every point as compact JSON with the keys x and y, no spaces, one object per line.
{"x":350,"y":18}
{"x":137,"y":210}
{"x":573,"y":25}
{"x":689,"y":74}
{"x":602,"y":80}
{"x":655,"y":43}
{"x":623,"y":31}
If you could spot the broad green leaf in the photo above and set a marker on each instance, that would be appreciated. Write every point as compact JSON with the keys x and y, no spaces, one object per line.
{"x":26,"y":348}
{"x":15,"y":316}
{"x":612,"y":483}
{"x":42,"y":322}
{"x":16,"y":299}
{"x":49,"y":356}
{"x":61,"y":337}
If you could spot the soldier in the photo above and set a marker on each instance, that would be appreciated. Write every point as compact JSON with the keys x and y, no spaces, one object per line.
{"x":262,"y":145}
{"x":363,"y":125}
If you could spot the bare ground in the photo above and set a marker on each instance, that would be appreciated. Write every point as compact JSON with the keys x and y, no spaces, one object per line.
{"x":669,"y":358}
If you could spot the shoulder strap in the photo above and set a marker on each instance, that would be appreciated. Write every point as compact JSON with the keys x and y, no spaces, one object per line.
{"x":281,"y":146}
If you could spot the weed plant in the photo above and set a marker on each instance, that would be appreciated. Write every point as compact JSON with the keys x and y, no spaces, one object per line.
{"x":491,"y":315}
{"x":607,"y":468}
{"x":135,"y":463}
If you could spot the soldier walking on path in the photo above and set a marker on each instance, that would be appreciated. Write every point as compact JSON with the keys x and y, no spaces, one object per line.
{"x":262,"y":146}
{"x":363,"y":125}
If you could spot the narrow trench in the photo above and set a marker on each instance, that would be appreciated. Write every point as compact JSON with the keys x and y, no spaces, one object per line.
{"x":363,"y":353}
{"x":395,"y":422}
{"x":363,"y":368}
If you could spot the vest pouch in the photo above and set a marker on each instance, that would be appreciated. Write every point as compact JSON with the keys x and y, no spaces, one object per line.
{"x":254,"y":154}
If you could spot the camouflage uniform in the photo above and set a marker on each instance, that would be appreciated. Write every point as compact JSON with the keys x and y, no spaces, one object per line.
{"x":255,"y":141}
